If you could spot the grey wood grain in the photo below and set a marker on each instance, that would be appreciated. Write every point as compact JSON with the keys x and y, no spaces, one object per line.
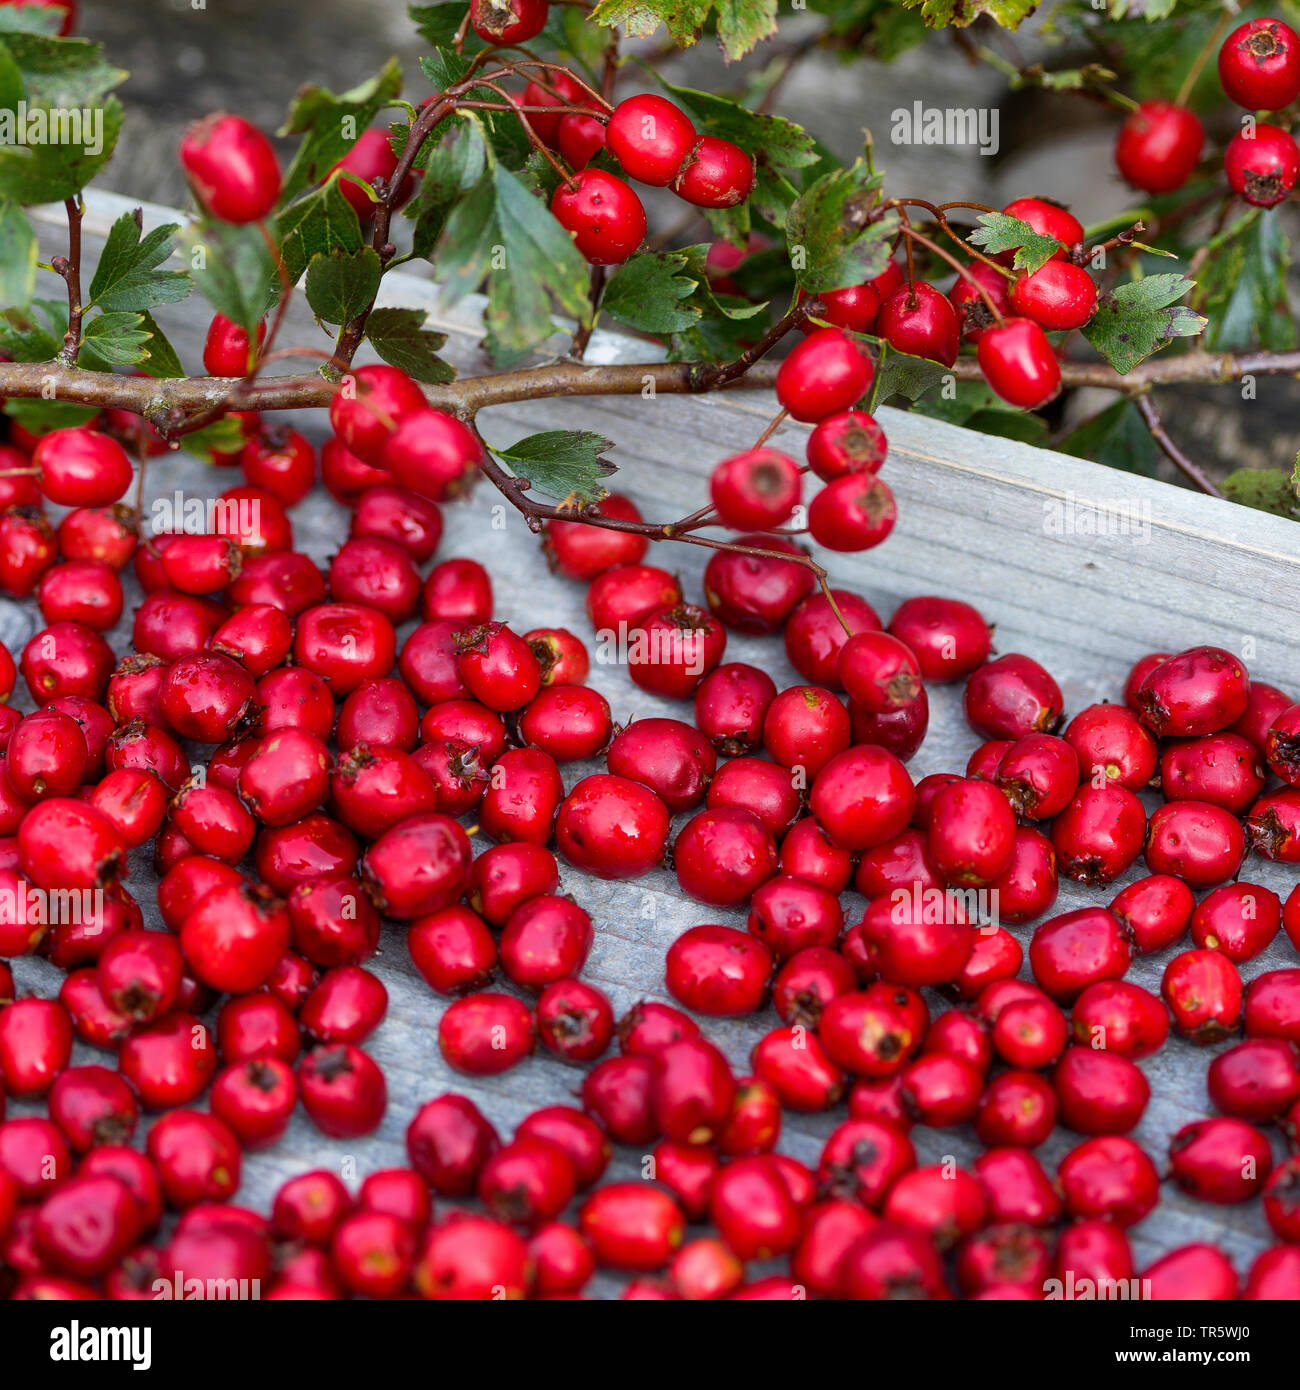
{"x":971,"y":525}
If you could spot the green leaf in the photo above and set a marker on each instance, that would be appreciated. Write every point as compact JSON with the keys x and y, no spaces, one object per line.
{"x":740,"y":23}
{"x":939,"y":14}
{"x":316,"y":224}
{"x":504,"y":129}
{"x":127,"y":277}
{"x":400,"y":338}
{"x":69,"y":74}
{"x":224,"y":436}
{"x":233,"y":269}
{"x":651,"y":293}
{"x":11,"y":77}
{"x":438,"y":24}
{"x":997,"y":233}
{"x":501,"y":233}
{"x":342,"y":284}
{"x":17,"y":255}
{"x":163,"y":359}
{"x":1243,"y":286}
{"x":330,"y":125}
{"x":565,"y":465}
{"x":29,"y":19}
{"x":455,"y":165}
{"x":1117,"y":437}
{"x":116,"y":340}
{"x":836,"y":235}
{"x":1265,"y":489}
{"x":52,"y":172}
{"x":901,"y":374}
{"x":24,"y":338}
{"x":42,"y":416}
{"x":1139,"y":318}
{"x":779,"y":142}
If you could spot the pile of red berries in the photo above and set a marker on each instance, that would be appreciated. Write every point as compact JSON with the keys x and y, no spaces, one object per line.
{"x":1160,"y":144}
{"x":304,"y":774}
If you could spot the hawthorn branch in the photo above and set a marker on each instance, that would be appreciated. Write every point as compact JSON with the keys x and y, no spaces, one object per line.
{"x":69,"y":267}
{"x":169,"y":403}
{"x":1147,"y":409}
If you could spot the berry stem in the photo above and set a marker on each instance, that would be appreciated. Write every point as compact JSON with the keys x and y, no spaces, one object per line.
{"x":961,"y":270}
{"x":69,"y":267}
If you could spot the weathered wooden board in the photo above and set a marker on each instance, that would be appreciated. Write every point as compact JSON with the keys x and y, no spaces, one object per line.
{"x":976,"y":520}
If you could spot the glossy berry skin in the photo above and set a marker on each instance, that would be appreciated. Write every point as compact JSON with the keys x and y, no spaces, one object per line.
{"x":505,"y":877}
{"x":234,"y":937}
{"x":1121,"y":1017}
{"x":603,"y":213}
{"x":949,"y":638}
{"x":862,"y":798}
{"x":672,"y":651}
{"x":1273,"y":1006}
{"x":814,"y":636}
{"x":485,"y":1034}
{"x":1262,"y":166}
{"x":1155,"y":911}
{"x":1200,"y":843}
{"x":612,"y":827}
{"x":1198,"y":692}
{"x":1259,"y":65}
{"x":921,"y":321}
{"x":718,"y":971}
{"x":1110,"y":737}
{"x":448,"y":1143}
{"x":373,"y":160}
{"x":1159,"y":146}
{"x":1038,"y":774}
{"x":579,"y":138}
{"x":1204,"y":994}
{"x":227,"y":350}
{"x":81,"y":468}
{"x":527,"y":1182}
{"x":1077,"y":949}
{"x":909,"y":942}
{"x":716,"y":174}
{"x":574,"y":1020}
{"x":632,"y":1226}
{"x":848,"y":442}
{"x":722,"y":855}
{"x":1058,"y":297}
{"x":826,"y":373}
{"x":1108,"y":1176}
{"x":508,"y":21}
{"x":628,"y":593}
{"x":972,"y":831}
{"x":650,"y":137}
{"x":345,"y":644}
{"x":1099,"y":1092}
{"x":753,"y":1210}
{"x":232,"y":168}
{"x":1220,"y":1160}
{"x":670,"y":758}
{"x":1239,"y":919}
{"x":583,"y":551}
{"x":1018,"y":362}
{"x":372,"y":402}
{"x":197,"y":1158}
{"x":756,"y":593}
{"x":567,"y":721}
{"x":1012,"y":696}
{"x":1099,"y":833}
{"x":343,"y":1091}
{"x":756,"y":490}
{"x":35,"y":1045}
{"x":1047,"y":219}
{"x":879,"y":672}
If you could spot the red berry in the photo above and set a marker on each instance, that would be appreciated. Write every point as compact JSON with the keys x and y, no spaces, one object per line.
{"x":370,"y":404}
{"x":715,"y":174}
{"x":1046,"y":219}
{"x":721,"y":856}
{"x":197,"y":1158}
{"x":373,"y":160}
{"x":1111,"y":1177}
{"x":527,"y":1182}
{"x":756,"y":490}
{"x":849,"y":442}
{"x":1259,"y":65}
{"x":631,"y":1225}
{"x":1060,"y":296}
{"x":718,"y":971}
{"x":920,"y":321}
{"x":232,"y":168}
{"x":1196,"y":693}
{"x":604,"y":215}
{"x":1159,"y":146}
{"x":448,"y":1142}
{"x":1121,"y":1017}
{"x":574,"y":1020}
{"x":1200,"y":843}
{"x":81,"y":468}
{"x":508,"y":22}
{"x":973,"y":312}
{"x":972,"y":832}
{"x":650,"y":137}
{"x":826,"y":373}
{"x":1203,"y":991}
{"x":1078,"y":948}
{"x":853,"y":513}
{"x":1011,"y":697}
{"x":1019,"y":364}
{"x":227,"y":350}
{"x":343,"y":1091}
{"x":485,"y":1034}
{"x":1220,"y":1160}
